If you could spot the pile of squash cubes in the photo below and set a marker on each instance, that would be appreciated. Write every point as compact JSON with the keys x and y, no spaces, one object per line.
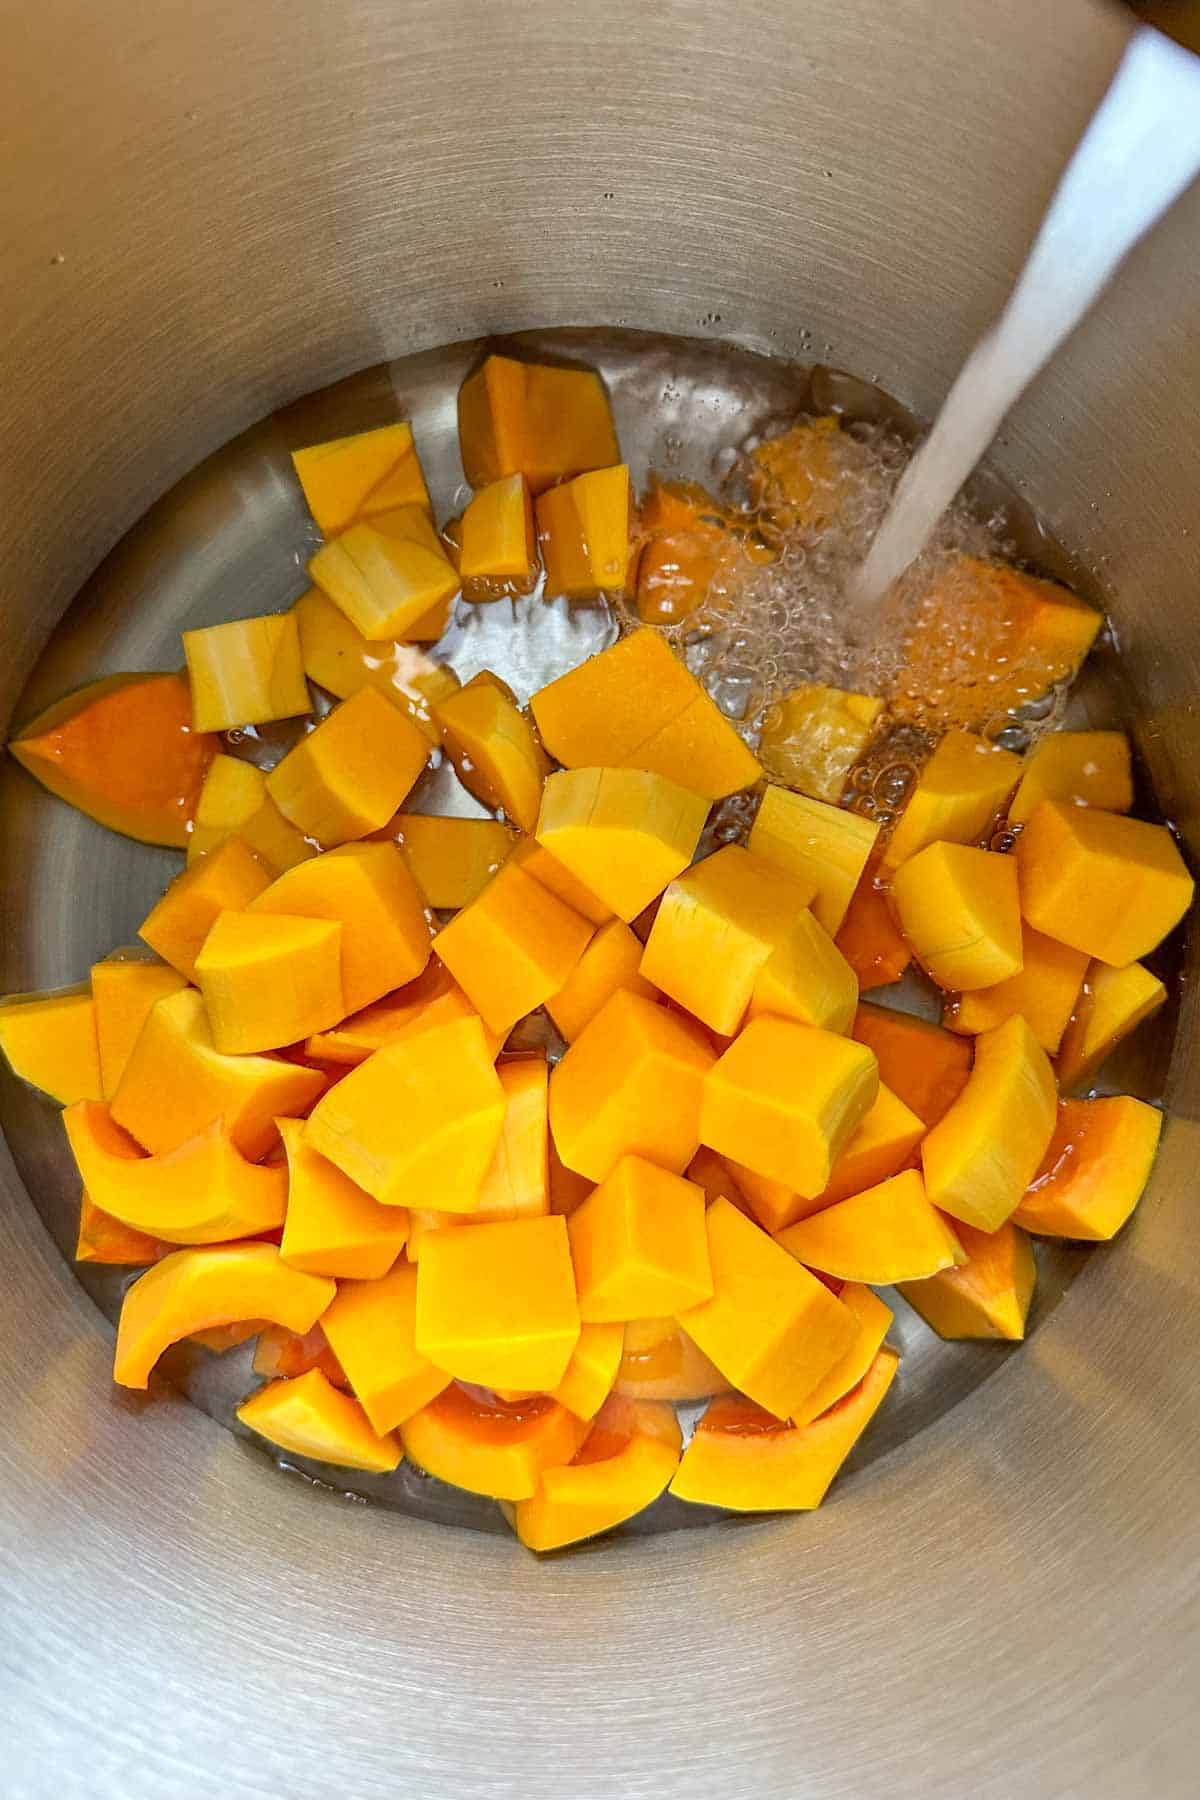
{"x":308,"y":1113}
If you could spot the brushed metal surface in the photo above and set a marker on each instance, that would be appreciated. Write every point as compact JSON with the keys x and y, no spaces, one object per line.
{"x":248,"y":202}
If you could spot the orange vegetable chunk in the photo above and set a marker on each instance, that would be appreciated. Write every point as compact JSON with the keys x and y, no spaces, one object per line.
{"x":434,"y":998}
{"x":246,"y":672}
{"x":1107,"y":885}
{"x":960,"y":910}
{"x":352,"y":476}
{"x":988,"y":1295}
{"x":418,"y":1120}
{"x":630,"y":1084}
{"x":715,"y":932}
{"x":512,"y":947}
{"x":817,"y":737}
{"x":124,"y":987}
{"x":280,"y":1352}
{"x":496,"y":1303}
{"x":517,"y":1183}
{"x":592,"y":1370}
{"x":639,"y":1246}
{"x":796,"y":477}
{"x":636,"y":706}
{"x":332,"y":1227}
{"x":497,"y":532}
{"x":103,"y":1239}
{"x":371,"y":1329}
{"x":609,"y":965}
{"x":983,"y":1153}
{"x":771,"y":1328}
{"x":349,"y":775}
{"x":1095,"y":1169}
{"x":205,"y":1192}
{"x":745,"y":1460}
{"x":492,"y":1447}
{"x":177,"y":1082}
{"x":958,"y":795}
{"x":1082,"y":768}
{"x":1112,"y":1003}
{"x":583,"y":532}
{"x":270,"y":981}
{"x":666,"y":1365}
{"x":50,"y":1041}
{"x":925,"y":1066}
{"x":307,"y":1416}
{"x":337,"y":656}
{"x":452,"y":860}
{"x":623,"y":1466}
{"x":889,"y":1233}
{"x":226,"y":880}
{"x":869,"y":939}
{"x":825,"y":846}
{"x":624,"y":833}
{"x":1045,"y":993}
{"x":388,"y":574}
{"x":368,"y":890}
{"x":533,"y":419}
{"x":527,"y":854}
{"x":493,"y":748}
{"x":193,"y":1290}
{"x":873,"y":1319}
{"x":806,"y":978}
{"x":785,"y":1100}
{"x":123,"y":750}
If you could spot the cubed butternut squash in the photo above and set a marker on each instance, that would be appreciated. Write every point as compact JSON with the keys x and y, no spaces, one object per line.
{"x":349,"y":477}
{"x":493,"y":748}
{"x":307,"y":1416}
{"x":795,"y":477}
{"x":338,"y":657}
{"x":611,"y":963}
{"x":434,"y":998}
{"x":246,"y":672}
{"x":1079,"y":768}
{"x":497,"y":533}
{"x":124,"y":987}
{"x":512,"y":948}
{"x":638,"y":1245}
{"x":103,"y":1239}
{"x":813,"y":737}
{"x":882,"y":1144}
{"x":452,"y":860}
{"x":887,"y":1234}
{"x":269,"y":980}
{"x":869,"y":938}
{"x":234,"y":802}
{"x":1045,"y":993}
{"x":517,"y":1182}
{"x":1111,"y":1003}
{"x":806,"y":978}
{"x":491,"y":1447}
{"x":1095,"y":1169}
{"x":496,"y":1303}
{"x":535,"y":420}
{"x":280,"y":1352}
{"x":1107,"y":885}
{"x":371,"y":1329}
{"x":873,"y":1319}
{"x":388,"y":574}
{"x":958,"y":795}
{"x":226,"y":880}
{"x":50,"y":1041}
{"x":624,"y":833}
{"x":349,"y":775}
{"x":583,"y":533}
{"x":536,"y":860}
{"x":332,"y":1227}
{"x":592,"y":1370}
{"x":825,"y":846}
{"x":925,"y":1066}
{"x":960,"y":911}
{"x":982,"y":1154}
{"x":988,"y":1295}
{"x":665,"y":1365}
{"x":623,"y":1465}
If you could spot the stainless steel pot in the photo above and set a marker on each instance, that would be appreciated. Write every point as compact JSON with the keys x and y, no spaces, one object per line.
{"x":211,"y":208}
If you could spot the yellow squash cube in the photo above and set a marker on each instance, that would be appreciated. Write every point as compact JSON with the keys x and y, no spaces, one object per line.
{"x":961,"y":790}
{"x":50,"y":1041}
{"x":825,"y":846}
{"x":1045,"y":993}
{"x":307,"y":1416}
{"x":512,"y":947}
{"x":246,"y":672}
{"x":772,"y":1329}
{"x":269,"y":981}
{"x":537,"y":861}
{"x":385,"y":580}
{"x":814,"y":737}
{"x":496,"y":1303}
{"x":517,"y":1183}
{"x":1080,"y":768}
{"x":982,"y":1154}
{"x":497,"y":532}
{"x":1112,"y":1003}
{"x":639,"y":1246}
{"x":1111,"y":886}
{"x":583,"y":530}
{"x":332,"y":1227}
{"x":418,"y":1121}
{"x":489,"y":1447}
{"x":627,"y":1460}
{"x":873,"y":1319}
{"x":234,"y":802}
{"x":592,"y":1370}
{"x":630,"y":1084}
{"x":226,"y":880}
{"x":637,"y":706}
{"x":337,"y":656}
{"x":785,"y":1100}
{"x":125,"y":986}
{"x":452,"y":860}
{"x":988,"y":1295}
{"x":960,"y":911}
{"x":371,"y":1327}
{"x":716,"y":929}
{"x":349,"y":775}
{"x":609,"y":964}
{"x":806,"y":978}
{"x":493,"y":748}
{"x":1095,"y":1168}
{"x":367,"y":890}
{"x":625,"y":833}
{"x":350,"y":477}
{"x":889,"y":1233}
{"x":533,"y":419}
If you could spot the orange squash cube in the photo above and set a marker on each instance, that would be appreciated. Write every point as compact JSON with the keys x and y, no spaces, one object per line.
{"x":638,"y":1245}
{"x":279,"y":1352}
{"x":745,"y":1460}
{"x":386,"y":575}
{"x":873,"y":1319}
{"x":1095,"y":1169}
{"x":451,"y":860}
{"x":532,"y":857}
{"x":434,"y":998}
{"x":226,"y":880}
{"x":609,"y":965}
{"x":665,"y":1365}
{"x":869,"y":938}
{"x":796,"y":477}
{"x":332,"y":1227}
{"x":924,"y":1066}
{"x":592,"y":1370}
{"x":337,"y":656}
{"x":307,"y":1416}
{"x":960,"y":910}
{"x":716,"y":929}
{"x":497,"y":532}
{"x":418,"y":1119}
{"x":988,"y":1295}
{"x":960,"y":791}
{"x":814,"y":736}
{"x":512,"y":947}
{"x":982,"y":1154}
{"x":103,"y":1239}
{"x":349,"y":775}
{"x":624,"y":833}
{"x":824,"y":846}
{"x":636,"y":706}
{"x":496,"y":1303}
{"x":806,"y":978}
{"x":50,"y":1041}
{"x":193,"y":1290}
{"x":177,"y":1082}
{"x":493,"y":1447}
{"x":269,"y":981}
{"x":371,"y":1328}
{"x":368,"y":890}
{"x":517,"y":1183}
{"x":124,"y":751}
{"x":246,"y":672}
{"x":533,"y":419}
{"x":233,"y":791}
{"x":1045,"y":993}
{"x":889,"y":1233}
{"x":624,"y":1464}
{"x":771,"y":1328}
{"x":493,"y":748}
{"x":785,"y":1100}
{"x":630,"y":1084}
{"x":349,"y":477}
{"x":205,"y":1192}
{"x":1110,"y":886}
{"x":583,"y":533}
{"x":1112,"y":1003}
{"x":1080,"y":768}
{"x":124,"y":988}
